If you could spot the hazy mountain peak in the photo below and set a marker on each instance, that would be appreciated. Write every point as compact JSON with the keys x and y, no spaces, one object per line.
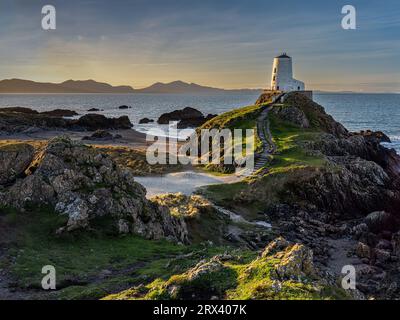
{"x":92,"y":86}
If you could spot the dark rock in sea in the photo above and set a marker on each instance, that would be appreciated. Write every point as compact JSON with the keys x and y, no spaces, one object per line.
{"x":102,"y":135}
{"x":124,"y":107}
{"x":177,"y":115}
{"x":94,"y":122}
{"x":145,"y":120}
{"x":84,"y":185}
{"x":95,"y":110}
{"x":187,"y":117}
{"x":19,"y":110}
{"x":195,"y":122}
{"x":14,"y":122}
{"x":60,"y":113}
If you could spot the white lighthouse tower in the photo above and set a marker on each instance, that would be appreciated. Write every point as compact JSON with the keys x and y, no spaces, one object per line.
{"x":282,"y":75}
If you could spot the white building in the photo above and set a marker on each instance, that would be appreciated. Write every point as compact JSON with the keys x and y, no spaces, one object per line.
{"x":282,"y":75}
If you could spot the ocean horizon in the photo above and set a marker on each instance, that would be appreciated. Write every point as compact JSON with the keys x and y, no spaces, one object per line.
{"x":356,"y":111}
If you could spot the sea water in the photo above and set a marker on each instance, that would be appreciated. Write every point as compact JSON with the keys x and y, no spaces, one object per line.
{"x":355,"y":111}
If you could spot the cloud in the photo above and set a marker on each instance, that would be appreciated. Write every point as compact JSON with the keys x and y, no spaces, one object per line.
{"x":220,"y":43}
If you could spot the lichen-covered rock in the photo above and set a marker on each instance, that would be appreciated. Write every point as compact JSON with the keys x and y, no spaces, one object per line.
{"x":203,"y":221}
{"x":275,"y":246}
{"x":293,"y":115}
{"x":296,"y":262}
{"x":85,"y":185}
{"x":182,"y":205}
{"x":363,"y":250}
{"x":14,"y":160}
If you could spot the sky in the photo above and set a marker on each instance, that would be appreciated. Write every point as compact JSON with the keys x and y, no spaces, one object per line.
{"x":220,"y":43}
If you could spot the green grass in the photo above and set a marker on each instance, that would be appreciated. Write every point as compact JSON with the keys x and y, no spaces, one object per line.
{"x":222,"y":194}
{"x":80,"y":258}
{"x":242,"y":118}
{"x":290,"y":152}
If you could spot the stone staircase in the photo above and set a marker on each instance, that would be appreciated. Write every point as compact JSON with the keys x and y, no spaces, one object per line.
{"x":266,"y":138}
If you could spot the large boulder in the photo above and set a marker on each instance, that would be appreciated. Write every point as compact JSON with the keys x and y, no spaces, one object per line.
{"x":85,"y":186}
{"x":293,"y":115}
{"x":380,"y":221}
{"x":296,"y":262}
{"x":14,"y":160}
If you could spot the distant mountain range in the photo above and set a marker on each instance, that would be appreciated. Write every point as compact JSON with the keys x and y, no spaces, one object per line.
{"x":91,"y":86}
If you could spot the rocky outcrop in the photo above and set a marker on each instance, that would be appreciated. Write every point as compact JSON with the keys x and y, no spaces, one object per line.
{"x":20,"y":121}
{"x":293,"y":115}
{"x":267,"y":96}
{"x":60,"y":113}
{"x":187,"y":117}
{"x":14,"y":160}
{"x":316,"y":114}
{"x":124,"y":107}
{"x":86,"y":186}
{"x":286,"y":273}
{"x":204,"y":222}
{"x":53,"y":113}
{"x":295,"y":260}
{"x":14,"y":122}
{"x":345,"y":206}
{"x":19,"y":110}
{"x":177,"y":115}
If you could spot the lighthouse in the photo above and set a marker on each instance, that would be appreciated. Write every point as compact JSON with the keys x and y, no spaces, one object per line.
{"x":282,"y":75}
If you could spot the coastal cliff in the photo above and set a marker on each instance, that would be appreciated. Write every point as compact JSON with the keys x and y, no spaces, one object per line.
{"x":329,"y":189}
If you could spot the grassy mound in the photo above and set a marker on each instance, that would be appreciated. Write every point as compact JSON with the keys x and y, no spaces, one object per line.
{"x":274,"y":275}
{"x":291,"y":162}
{"x":242,"y":118}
